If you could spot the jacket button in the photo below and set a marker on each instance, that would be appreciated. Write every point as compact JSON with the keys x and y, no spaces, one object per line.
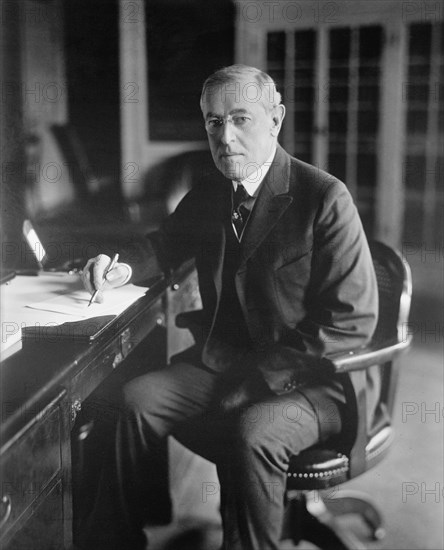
{"x":288,"y":386}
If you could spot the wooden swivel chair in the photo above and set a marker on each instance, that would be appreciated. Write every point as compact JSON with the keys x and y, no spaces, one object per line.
{"x":323,"y":467}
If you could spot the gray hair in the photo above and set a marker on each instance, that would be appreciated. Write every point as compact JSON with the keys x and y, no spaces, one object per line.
{"x":218,"y":81}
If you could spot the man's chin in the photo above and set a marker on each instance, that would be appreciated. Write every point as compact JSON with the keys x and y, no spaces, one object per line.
{"x":232,"y":172}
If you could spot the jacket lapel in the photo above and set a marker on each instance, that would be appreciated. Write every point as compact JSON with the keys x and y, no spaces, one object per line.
{"x":271,"y":203}
{"x":220,"y":208}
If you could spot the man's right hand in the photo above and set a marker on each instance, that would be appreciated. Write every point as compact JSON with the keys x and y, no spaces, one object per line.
{"x":93,"y":275}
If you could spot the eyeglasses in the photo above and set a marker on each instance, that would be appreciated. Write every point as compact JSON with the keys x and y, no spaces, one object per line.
{"x":215,"y":124}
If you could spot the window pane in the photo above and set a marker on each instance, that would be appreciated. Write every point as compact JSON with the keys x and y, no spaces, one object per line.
{"x":416,"y":121}
{"x":367,"y":122}
{"x":367,"y":172}
{"x":422,"y":170}
{"x":420,"y":41}
{"x":340,"y":44}
{"x":276,"y":58}
{"x":339,"y":74}
{"x":370,"y":50}
{"x":304,"y":92}
{"x":276,"y":43}
{"x":414,"y":172}
{"x":370,"y":42}
{"x":336,"y":165}
{"x":338,"y":122}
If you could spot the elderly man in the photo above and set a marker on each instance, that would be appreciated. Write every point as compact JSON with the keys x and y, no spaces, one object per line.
{"x":285,"y":277}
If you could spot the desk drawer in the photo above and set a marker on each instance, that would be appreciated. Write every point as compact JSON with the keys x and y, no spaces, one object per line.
{"x":114,"y":352}
{"x":42,"y":528}
{"x":29,"y":465}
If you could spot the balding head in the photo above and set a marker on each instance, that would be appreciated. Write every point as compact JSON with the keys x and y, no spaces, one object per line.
{"x":243,"y":82}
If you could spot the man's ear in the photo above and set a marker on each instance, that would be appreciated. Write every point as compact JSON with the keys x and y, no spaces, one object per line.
{"x":277,"y":117}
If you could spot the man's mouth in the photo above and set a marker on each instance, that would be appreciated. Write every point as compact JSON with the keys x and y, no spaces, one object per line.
{"x":227,"y":155}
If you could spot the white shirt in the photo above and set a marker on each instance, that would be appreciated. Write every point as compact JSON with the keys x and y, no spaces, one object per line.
{"x":253,"y":182}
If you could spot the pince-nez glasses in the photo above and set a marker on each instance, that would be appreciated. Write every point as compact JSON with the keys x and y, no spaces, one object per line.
{"x":215,"y":124}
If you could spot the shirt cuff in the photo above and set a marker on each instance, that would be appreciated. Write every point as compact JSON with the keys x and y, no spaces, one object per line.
{"x":129,"y":274}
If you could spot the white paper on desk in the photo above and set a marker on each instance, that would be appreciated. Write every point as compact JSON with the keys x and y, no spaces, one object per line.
{"x":76,"y":302}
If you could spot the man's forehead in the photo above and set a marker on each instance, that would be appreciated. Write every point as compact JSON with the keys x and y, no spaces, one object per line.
{"x":243,"y":93}
{"x":219,"y":113}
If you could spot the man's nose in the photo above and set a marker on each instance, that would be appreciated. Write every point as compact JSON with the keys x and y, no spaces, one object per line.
{"x":228,"y":133}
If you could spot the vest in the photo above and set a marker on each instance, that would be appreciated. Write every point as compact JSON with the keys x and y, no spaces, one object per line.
{"x":230,"y":324}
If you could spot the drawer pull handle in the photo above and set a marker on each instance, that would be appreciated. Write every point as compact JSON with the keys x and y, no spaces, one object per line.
{"x":117,"y":360}
{"x":76,"y":407}
{"x":85,"y":430}
{"x":125,"y":342}
{"x":7,"y":503}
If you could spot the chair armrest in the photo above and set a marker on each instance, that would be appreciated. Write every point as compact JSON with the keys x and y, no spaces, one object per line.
{"x":372,"y":354}
{"x":343,"y":362}
{"x":353,"y":365}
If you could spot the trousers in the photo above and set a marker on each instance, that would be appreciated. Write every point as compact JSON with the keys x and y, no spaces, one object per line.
{"x":251,"y":447}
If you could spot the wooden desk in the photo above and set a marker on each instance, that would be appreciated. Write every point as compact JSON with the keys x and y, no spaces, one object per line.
{"x":43,"y":388}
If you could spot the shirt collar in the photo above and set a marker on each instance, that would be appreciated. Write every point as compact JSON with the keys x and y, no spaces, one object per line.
{"x":253,"y":181}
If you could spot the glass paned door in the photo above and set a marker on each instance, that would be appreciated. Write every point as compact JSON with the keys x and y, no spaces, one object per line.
{"x":333,"y":110}
{"x":424,"y":145}
{"x":354,"y":111}
{"x":304,"y":95}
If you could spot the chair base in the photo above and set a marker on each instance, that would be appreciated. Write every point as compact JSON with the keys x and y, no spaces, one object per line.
{"x":308,"y":518}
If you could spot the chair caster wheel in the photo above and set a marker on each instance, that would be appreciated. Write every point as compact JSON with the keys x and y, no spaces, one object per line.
{"x":379,"y":533}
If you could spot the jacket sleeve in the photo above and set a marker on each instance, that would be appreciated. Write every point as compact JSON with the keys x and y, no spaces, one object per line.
{"x":341,"y":299}
{"x":168,"y":247}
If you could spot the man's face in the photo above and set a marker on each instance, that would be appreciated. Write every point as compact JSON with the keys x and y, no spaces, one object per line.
{"x":241,"y":131}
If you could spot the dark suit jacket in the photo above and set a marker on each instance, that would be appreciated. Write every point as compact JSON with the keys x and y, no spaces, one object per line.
{"x":305,"y":283}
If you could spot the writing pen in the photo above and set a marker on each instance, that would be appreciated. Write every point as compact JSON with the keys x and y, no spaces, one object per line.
{"x":105,"y":273}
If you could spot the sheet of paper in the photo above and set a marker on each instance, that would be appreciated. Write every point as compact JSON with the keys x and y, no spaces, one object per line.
{"x":76,"y":302}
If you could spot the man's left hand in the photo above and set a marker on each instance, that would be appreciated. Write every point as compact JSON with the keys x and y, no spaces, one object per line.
{"x":249,"y":391}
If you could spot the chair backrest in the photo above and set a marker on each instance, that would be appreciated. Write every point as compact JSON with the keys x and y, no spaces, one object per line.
{"x":394,"y":287}
{"x":364,"y":441}
{"x":389,"y":339}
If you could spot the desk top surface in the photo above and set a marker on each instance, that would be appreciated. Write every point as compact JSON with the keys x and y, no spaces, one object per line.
{"x":21,"y":291}
{"x":52,"y":300}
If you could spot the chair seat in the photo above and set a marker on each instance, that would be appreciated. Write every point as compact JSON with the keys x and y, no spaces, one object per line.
{"x":320,"y":468}
{"x":317,"y":469}
{"x":378,"y":446}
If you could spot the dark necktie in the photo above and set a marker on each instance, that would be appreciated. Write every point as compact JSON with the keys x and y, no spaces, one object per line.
{"x":240,"y":212}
